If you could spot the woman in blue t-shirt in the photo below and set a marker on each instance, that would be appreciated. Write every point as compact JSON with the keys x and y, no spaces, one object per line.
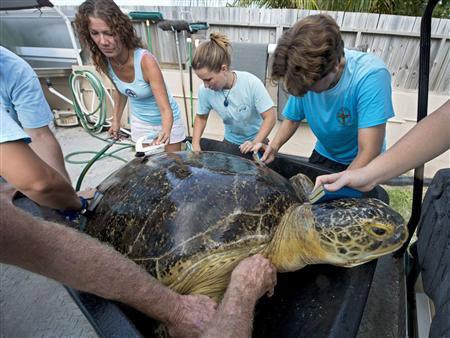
{"x":117,"y":51}
{"x":240,"y":98}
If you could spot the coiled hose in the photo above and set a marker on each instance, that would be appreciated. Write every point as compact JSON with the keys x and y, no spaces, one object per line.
{"x":93,"y":120}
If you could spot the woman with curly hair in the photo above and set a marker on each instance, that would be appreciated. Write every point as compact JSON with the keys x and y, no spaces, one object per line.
{"x":117,"y":52}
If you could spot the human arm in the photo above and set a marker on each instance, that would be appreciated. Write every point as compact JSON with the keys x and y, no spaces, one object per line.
{"x":370,"y":143}
{"x":250,"y":280}
{"x":263,"y":104}
{"x":48,"y":149}
{"x":83,"y":263}
{"x":373,"y":108}
{"x":269,"y":119}
{"x":428,"y":139}
{"x":153,"y":75}
{"x":287,"y":129}
{"x":22,"y":93}
{"x":26,"y":171}
{"x":120,"y":101}
{"x":199,"y":128}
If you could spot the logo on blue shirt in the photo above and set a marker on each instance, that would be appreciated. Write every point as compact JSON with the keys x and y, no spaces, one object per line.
{"x":130,"y":93}
{"x":344,"y":117}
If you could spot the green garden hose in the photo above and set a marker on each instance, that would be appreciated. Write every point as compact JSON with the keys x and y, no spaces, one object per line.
{"x":93,"y":121}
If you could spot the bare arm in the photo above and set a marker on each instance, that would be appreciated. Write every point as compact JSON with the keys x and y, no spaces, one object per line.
{"x":428,"y":139}
{"x":83,"y":263}
{"x":269,"y":119}
{"x":48,"y":149}
{"x":152,"y":74}
{"x":26,"y":171}
{"x":287,"y":129}
{"x":119,"y":105}
{"x":250,"y":280}
{"x":370,"y":143}
{"x":199,"y":128}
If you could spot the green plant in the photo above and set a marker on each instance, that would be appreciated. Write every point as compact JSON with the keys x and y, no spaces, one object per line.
{"x":396,"y":7}
{"x":303,"y":4}
{"x":401,"y":200}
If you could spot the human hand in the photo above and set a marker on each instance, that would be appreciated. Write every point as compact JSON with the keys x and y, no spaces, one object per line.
{"x":253,"y":277}
{"x":74,"y":215}
{"x":257,"y":146}
{"x":350,"y":178}
{"x":332,"y":180}
{"x":269,"y":153}
{"x":113,"y":131}
{"x":163,"y":138}
{"x":196,"y":147}
{"x":246,"y":147}
{"x":87,"y":193}
{"x":191,"y":316}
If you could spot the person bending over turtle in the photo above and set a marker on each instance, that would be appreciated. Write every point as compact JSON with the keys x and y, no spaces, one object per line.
{"x":68,"y":258}
{"x":117,"y":52}
{"x":411,"y":151}
{"x":31,"y":159}
{"x":240,"y":98}
{"x":345,"y":95}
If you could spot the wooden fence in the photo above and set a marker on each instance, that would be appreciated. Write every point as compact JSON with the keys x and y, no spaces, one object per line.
{"x":396,"y":39}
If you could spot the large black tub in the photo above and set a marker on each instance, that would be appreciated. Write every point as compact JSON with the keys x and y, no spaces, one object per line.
{"x":317,"y":301}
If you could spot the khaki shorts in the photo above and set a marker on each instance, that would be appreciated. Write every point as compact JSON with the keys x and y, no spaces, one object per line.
{"x":140,"y":128}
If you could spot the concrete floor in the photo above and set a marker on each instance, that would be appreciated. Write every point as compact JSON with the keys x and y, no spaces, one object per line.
{"x":35,"y":306}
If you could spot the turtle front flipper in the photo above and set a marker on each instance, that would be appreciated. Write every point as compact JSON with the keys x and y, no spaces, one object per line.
{"x":209,"y":273}
{"x":302,"y":185}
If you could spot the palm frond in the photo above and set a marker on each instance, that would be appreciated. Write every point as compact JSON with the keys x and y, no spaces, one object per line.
{"x":396,"y":7}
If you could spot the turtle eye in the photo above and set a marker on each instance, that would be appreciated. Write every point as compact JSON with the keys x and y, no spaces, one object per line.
{"x":377,"y":230}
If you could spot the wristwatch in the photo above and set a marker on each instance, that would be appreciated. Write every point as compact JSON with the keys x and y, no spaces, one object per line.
{"x":84,"y":206}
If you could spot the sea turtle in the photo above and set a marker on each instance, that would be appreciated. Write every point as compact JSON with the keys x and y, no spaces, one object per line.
{"x":188,"y":218}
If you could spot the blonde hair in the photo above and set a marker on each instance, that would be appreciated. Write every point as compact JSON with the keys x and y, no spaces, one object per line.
{"x":306,"y":53}
{"x":213,"y":53}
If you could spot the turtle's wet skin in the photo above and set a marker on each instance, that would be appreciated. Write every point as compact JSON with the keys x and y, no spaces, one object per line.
{"x":189,"y":218}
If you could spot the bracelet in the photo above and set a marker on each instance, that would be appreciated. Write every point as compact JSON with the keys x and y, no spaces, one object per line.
{"x":74,"y":215}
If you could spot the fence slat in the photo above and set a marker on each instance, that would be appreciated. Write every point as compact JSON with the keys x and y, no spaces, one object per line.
{"x":400,"y":53}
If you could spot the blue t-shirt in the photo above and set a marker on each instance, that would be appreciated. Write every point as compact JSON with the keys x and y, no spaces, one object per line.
{"x":142,"y":101}
{"x":361,"y":99}
{"x":22,"y":101}
{"x":247,"y":100}
{"x":10,"y":129}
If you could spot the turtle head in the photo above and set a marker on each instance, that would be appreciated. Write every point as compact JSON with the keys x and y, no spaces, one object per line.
{"x":351,"y":232}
